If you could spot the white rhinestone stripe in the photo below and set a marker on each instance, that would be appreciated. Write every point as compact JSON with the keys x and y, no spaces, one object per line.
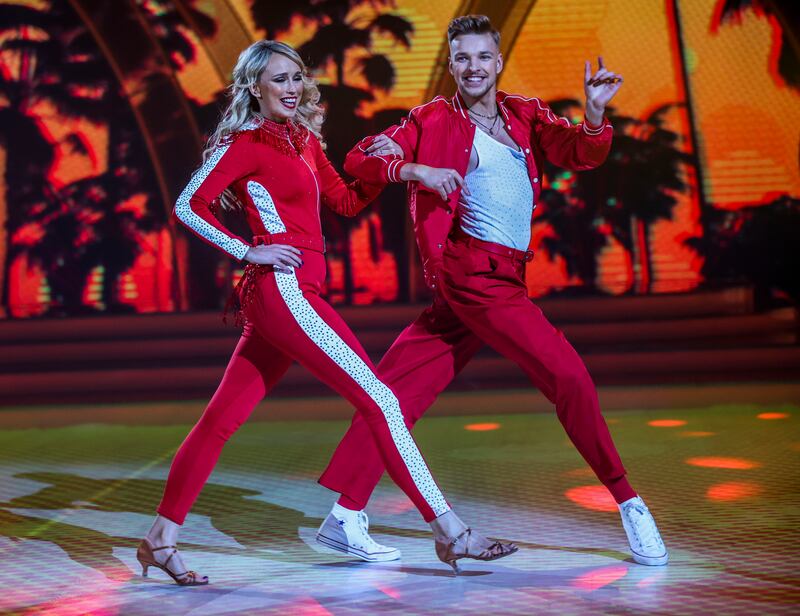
{"x":266,"y":208}
{"x":185,"y":213}
{"x":348,"y":360}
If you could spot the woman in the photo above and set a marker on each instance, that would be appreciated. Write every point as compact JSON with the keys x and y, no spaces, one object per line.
{"x":267,"y":158}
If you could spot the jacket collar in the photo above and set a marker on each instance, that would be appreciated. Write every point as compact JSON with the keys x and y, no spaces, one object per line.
{"x":460,"y":107}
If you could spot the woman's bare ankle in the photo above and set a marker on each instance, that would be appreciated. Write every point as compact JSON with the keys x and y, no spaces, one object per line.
{"x":447,"y":526}
{"x":163,"y":532}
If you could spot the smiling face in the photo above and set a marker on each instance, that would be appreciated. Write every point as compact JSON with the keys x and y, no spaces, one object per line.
{"x":475,"y":61}
{"x":279,"y":89}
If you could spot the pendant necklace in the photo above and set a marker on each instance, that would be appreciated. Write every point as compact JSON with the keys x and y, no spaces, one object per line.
{"x":488,"y":129}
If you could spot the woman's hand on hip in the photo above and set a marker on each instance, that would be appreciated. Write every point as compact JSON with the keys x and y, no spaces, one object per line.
{"x":281,"y":256}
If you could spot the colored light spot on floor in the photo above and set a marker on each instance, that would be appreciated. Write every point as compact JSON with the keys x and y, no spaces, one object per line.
{"x":599,"y":578}
{"x":733,"y":491}
{"x":697,"y":433}
{"x":721,"y":462}
{"x":666,"y":423}
{"x":772,"y":415}
{"x":390,"y":504}
{"x":390,"y":591}
{"x":482,"y":427}
{"x":596,"y":498}
{"x":93,"y":602}
{"x":652,"y":578}
{"x":307,"y":606}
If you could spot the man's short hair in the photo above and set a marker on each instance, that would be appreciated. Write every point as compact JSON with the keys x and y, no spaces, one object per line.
{"x":472,"y":24}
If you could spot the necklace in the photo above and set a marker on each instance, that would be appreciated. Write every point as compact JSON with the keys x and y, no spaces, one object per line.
{"x":488,"y":129}
{"x":488,"y":117}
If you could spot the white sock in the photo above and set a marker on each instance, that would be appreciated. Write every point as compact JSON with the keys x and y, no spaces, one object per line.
{"x":343,"y":513}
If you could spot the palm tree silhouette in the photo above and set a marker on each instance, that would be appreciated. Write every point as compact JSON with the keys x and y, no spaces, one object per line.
{"x":334,"y":38}
{"x":86,"y":227}
{"x":786,"y":12}
{"x":55,"y":69}
{"x":754,"y":245}
{"x":623,"y":198}
{"x":62,"y":65}
{"x":577,"y":234}
{"x":643,"y":175}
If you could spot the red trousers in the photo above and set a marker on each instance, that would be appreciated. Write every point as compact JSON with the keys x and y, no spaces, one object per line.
{"x":288,"y":320}
{"x":483,"y":300}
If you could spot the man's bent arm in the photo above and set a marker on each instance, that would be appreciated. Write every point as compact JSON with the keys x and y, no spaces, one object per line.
{"x":580,"y":147}
{"x":379,"y":168}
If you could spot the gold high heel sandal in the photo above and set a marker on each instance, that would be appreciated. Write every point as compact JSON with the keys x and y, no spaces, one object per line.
{"x":146,"y":557}
{"x":447,"y":551}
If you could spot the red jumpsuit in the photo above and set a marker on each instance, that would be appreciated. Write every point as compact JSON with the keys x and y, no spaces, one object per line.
{"x":281,"y":176}
{"x":481,"y":296}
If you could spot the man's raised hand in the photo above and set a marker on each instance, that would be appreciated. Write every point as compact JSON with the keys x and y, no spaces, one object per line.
{"x":599,"y":88}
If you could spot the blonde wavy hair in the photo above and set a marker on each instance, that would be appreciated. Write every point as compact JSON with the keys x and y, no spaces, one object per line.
{"x":243,"y":106}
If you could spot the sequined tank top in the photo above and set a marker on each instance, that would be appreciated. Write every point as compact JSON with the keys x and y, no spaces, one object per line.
{"x":500,"y":204}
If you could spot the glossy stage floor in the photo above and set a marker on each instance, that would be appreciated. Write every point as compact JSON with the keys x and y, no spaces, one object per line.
{"x":722,"y":482}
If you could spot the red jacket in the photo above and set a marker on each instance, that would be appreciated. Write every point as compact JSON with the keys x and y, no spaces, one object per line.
{"x":281,"y":176}
{"x":440,"y":134}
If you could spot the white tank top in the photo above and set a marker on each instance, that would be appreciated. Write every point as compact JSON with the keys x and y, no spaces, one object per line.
{"x":500,"y":204}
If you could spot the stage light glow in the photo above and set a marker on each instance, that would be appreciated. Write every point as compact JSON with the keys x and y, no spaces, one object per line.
{"x":596,"y":498}
{"x":652,"y":578}
{"x":733,"y":490}
{"x":389,"y":504}
{"x":697,"y":433}
{"x":482,"y":427}
{"x":389,"y":591}
{"x":722,"y":462}
{"x":666,"y":423}
{"x":307,"y":606}
{"x":772,"y":415}
{"x":98,"y":601}
{"x":599,"y":578}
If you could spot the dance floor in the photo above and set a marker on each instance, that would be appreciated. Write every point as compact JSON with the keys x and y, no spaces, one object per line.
{"x":721,"y":481}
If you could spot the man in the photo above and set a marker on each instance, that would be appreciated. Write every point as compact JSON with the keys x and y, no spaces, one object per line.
{"x":473,"y":164}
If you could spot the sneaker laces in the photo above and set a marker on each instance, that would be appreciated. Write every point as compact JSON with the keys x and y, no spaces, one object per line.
{"x":644,"y":526}
{"x":363,"y":524}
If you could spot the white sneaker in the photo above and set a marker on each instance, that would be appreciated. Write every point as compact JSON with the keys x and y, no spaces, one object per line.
{"x":348,"y":531}
{"x":646,"y":544}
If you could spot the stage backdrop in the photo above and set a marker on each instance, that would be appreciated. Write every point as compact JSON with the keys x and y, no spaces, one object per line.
{"x":104,"y":108}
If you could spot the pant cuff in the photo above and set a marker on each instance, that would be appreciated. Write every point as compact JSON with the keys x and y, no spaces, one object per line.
{"x":170,"y":516}
{"x":620,"y":489}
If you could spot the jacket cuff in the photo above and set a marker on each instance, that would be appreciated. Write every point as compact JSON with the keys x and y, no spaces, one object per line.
{"x":393,"y":169}
{"x":592,"y":130}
